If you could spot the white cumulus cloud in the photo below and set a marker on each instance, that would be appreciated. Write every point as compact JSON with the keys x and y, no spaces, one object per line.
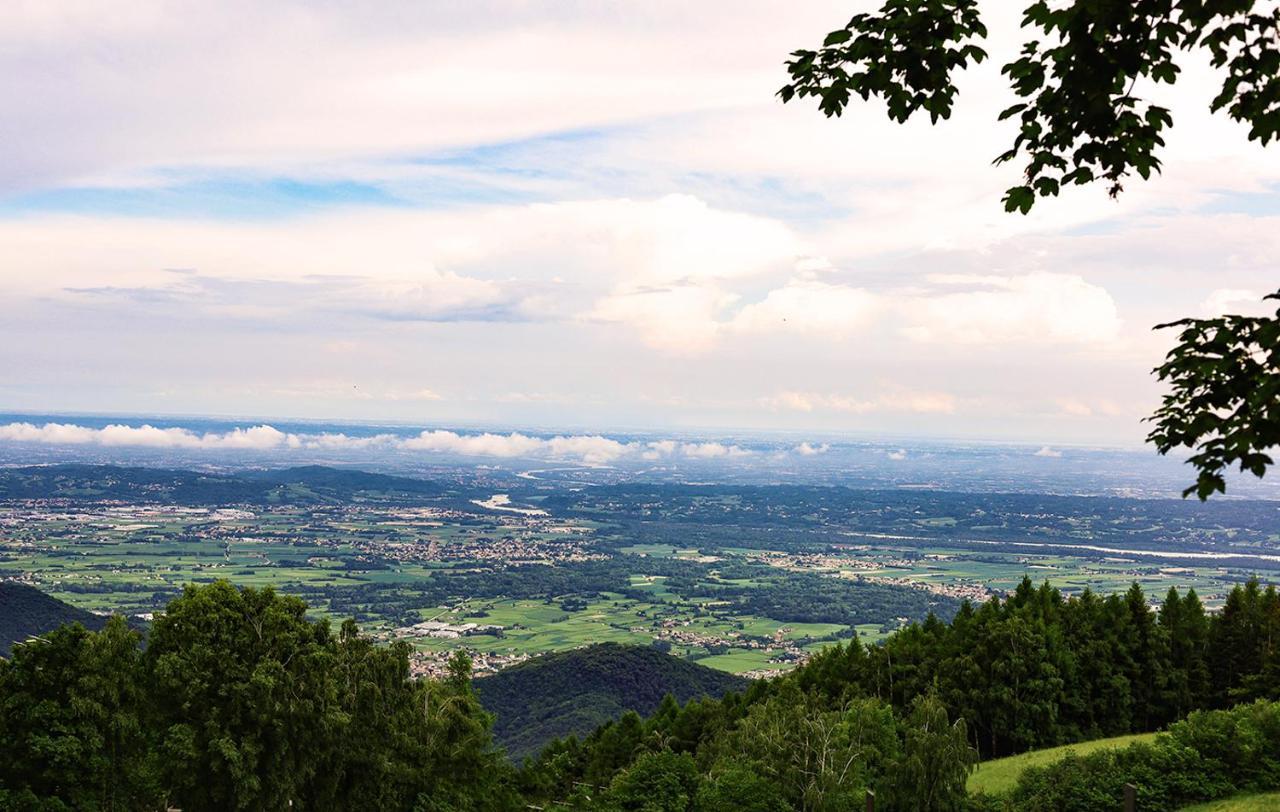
{"x":589,"y":448}
{"x":678,"y":319}
{"x":808,"y":449}
{"x":808,"y":306}
{"x":145,"y":436}
{"x":53,"y":433}
{"x":1235,"y":301}
{"x":1038,"y":307}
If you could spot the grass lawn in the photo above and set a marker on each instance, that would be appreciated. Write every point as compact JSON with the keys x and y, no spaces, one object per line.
{"x":999,"y":775}
{"x":1267,"y":802}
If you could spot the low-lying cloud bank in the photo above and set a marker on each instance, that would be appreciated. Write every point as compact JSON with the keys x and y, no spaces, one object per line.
{"x":589,"y":448}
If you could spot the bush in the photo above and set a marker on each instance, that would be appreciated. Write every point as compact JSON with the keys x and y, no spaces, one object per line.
{"x":657,"y":782}
{"x":1207,"y":756}
{"x":739,"y":788}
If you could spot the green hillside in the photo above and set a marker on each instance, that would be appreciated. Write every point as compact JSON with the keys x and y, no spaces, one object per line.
{"x":573,"y":692}
{"x":306,"y":485}
{"x":26,"y":611}
{"x":1000,"y":774}
{"x":334,"y":721}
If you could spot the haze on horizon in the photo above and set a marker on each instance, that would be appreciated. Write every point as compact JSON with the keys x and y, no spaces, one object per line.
{"x":514,"y":213}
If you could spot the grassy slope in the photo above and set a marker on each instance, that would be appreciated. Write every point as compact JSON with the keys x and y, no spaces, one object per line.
{"x":1267,"y":802}
{"x":999,"y":775}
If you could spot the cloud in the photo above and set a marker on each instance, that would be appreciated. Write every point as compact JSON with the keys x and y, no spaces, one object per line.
{"x":1233,"y":301}
{"x":809,"y":450}
{"x":1037,"y":308}
{"x":679,"y":319}
{"x":429,"y":295}
{"x":359,"y":265}
{"x":337,"y":441}
{"x":806,"y":306}
{"x":415,"y":394}
{"x":1046,"y":451}
{"x":1040,"y":308}
{"x":53,"y":433}
{"x":918,"y":402}
{"x":145,"y":436}
{"x":665,"y":266}
{"x":440,"y":187}
{"x":358,"y":84}
{"x":681,"y":261}
{"x":1076,"y":407}
{"x":892,"y":401}
{"x":588,"y":448}
{"x":711,"y":450}
{"x":484,"y":445}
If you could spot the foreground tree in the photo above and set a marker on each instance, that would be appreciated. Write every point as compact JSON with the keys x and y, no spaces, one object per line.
{"x":245,"y":702}
{"x":739,"y":788}
{"x":1224,"y":398}
{"x":239,"y":702}
{"x":820,"y":758}
{"x":1034,"y":670}
{"x":936,"y":761}
{"x":71,"y":734}
{"x":254,"y":706}
{"x":1080,"y":122}
{"x":657,"y":782}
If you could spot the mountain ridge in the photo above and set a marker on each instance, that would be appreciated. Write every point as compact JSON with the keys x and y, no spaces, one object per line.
{"x":26,"y":612}
{"x":308,"y":484}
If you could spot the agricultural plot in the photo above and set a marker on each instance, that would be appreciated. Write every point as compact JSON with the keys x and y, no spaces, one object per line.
{"x":749,"y":582}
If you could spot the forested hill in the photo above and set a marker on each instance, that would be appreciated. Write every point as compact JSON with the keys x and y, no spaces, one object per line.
{"x":26,"y":611}
{"x":310,"y":718}
{"x":307,"y":485}
{"x":1032,"y":670}
{"x":573,"y":692}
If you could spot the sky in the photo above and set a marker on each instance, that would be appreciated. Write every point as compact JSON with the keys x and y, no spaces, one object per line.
{"x":575,"y":214}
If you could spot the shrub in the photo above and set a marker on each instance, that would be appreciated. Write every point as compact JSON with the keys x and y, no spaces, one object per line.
{"x":1209,"y":755}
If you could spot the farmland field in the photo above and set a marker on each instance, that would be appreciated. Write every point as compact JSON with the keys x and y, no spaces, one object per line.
{"x":745,"y":579}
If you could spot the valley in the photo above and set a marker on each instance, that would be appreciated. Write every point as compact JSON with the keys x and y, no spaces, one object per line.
{"x":747,"y":579}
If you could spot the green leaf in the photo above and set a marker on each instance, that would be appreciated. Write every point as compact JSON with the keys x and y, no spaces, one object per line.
{"x":837,"y":37}
{"x":1020,"y":199}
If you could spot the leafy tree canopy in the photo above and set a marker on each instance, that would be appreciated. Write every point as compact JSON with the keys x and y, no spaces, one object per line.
{"x":1224,"y":399}
{"x":239,"y":702}
{"x":1080,"y":121}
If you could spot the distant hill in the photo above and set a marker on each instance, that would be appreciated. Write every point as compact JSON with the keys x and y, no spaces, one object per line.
{"x":26,"y":611}
{"x":307,"y":485}
{"x":574,"y":692}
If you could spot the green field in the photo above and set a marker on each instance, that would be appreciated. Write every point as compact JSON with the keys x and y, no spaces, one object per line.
{"x":379,"y":563}
{"x":1000,"y":775}
{"x":132,"y":559}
